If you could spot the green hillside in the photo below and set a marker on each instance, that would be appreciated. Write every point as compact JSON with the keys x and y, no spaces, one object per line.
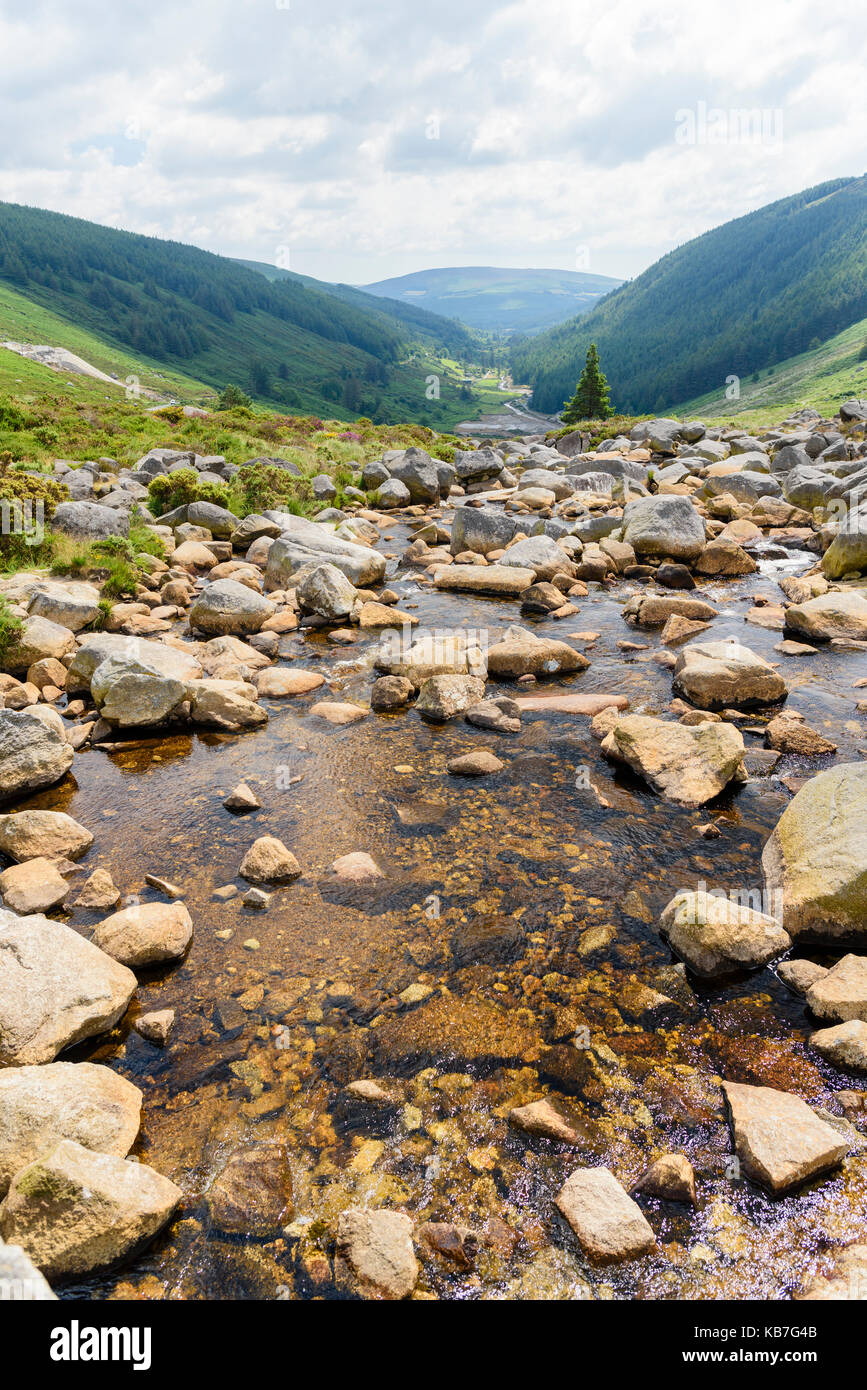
{"x":820,"y":378}
{"x":498,"y":300}
{"x":752,"y":293}
{"x":212,"y":320}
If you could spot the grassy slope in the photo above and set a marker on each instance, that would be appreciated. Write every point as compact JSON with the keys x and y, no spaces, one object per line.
{"x":821,"y":378}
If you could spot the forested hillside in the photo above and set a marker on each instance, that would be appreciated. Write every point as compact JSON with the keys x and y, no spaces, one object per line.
{"x":286,"y":342}
{"x":744,"y":296}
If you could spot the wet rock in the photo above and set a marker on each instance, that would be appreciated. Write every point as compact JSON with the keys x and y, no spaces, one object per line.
{"x":521,"y":653}
{"x":845,"y":1045}
{"x":841,"y":993}
{"x":724,"y":558}
{"x":493,"y":940}
{"x":800,"y":975}
{"x":357,"y":867}
{"x":722,"y":675}
{"x":55,"y":989}
{"x":463,"y":1030}
{"x":778,"y":1139}
{"x":43,"y":834}
{"x":678,"y":629}
{"x":847,"y":1280}
{"x":609,"y":1225}
{"x":156,"y":1026}
{"x":33,"y":754}
{"x":443,"y":697}
{"x":252,"y":1195}
{"x":75,"y":1211}
{"x":145,"y":934}
{"x":790,"y":735}
{"x":98,"y":891}
{"x":34,"y":886}
{"x":457,"y":1245}
{"x":687,"y":765}
{"x":575,"y":703}
{"x":816,"y":858}
{"x":269,"y":861}
{"x":259,"y":900}
{"x":670,"y":1177}
{"x":374,"y":1257}
{"x":479,"y":763}
{"x":227,"y":607}
{"x":716,"y":936}
{"x":241,"y":799}
{"x":390,"y":692}
{"x":544,"y":1120}
{"x":828,"y":616}
{"x":501,"y":714}
{"x":672,"y":576}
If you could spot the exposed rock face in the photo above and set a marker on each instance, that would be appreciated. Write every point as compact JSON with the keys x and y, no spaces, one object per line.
{"x":816,"y":857}
{"x":375,"y":1257}
{"x":145,"y":934}
{"x":664,"y":525}
{"x":55,"y":989}
{"x":39,"y":1106}
{"x":225,"y":704}
{"x":225,"y":606}
{"x":609,"y":1225}
{"x":841,"y":993}
{"x":830,"y":615}
{"x":32,"y":754}
{"x":778,"y":1139}
{"x":38,"y":834}
{"x":521,"y":653}
{"x":252,"y":1196}
{"x":75,"y":1211}
{"x":722,"y":675}
{"x":716,"y":936}
{"x":789,"y":735}
{"x":687,"y":765}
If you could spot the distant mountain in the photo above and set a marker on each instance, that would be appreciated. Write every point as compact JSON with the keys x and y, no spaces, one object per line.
{"x":735,"y":301}
{"x":292,"y":344}
{"x":496,"y":300}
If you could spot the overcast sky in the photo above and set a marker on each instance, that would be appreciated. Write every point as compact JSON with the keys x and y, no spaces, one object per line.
{"x":357,"y":139}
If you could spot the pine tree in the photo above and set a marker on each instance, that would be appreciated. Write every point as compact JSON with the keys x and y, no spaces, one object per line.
{"x":590,"y":401}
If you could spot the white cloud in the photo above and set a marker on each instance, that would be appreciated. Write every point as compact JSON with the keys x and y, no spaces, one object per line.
{"x":245,"y":125}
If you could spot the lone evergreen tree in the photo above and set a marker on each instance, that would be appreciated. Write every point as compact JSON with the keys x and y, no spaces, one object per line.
{"x":590,"y":401}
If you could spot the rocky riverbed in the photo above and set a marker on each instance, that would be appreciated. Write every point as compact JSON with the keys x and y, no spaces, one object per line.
{"x":460,"y":896}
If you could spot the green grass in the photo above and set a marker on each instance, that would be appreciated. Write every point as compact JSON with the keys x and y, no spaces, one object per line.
{"x":821,"y":378}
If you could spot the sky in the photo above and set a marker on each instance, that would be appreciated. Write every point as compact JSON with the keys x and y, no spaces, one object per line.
{"x":359,"y":139}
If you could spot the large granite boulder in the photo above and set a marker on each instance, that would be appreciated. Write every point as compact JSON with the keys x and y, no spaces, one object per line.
{"x":33,"y":754}
{"x":667,"y":526}
{"x":689,"y":765}
{"x":227,"y":607}
{"x":721,"y":675}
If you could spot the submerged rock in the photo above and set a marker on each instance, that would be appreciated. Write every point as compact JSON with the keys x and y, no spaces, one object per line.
{"x":252,"y":1195}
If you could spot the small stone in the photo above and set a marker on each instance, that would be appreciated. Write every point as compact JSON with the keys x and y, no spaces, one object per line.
{"x":34,"y":886}
{"x":841,"y":993}
{"x":671,"y":1177}
{"x":256,"y":898}
{"x":357,"y":867}
{"x":156,"y":1026}
{"x":98,"y":891}
{"x":800,"y":975}
{"x":479,"y":763}
{"x":541,"y":1118}
{"x":242,"y":799}
{"x":375,"y":1257}
{"x":778,"y":1139}
{"x":609,"y":1225}
{"x":845,"y":1045}
{"x":269,"y":861}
